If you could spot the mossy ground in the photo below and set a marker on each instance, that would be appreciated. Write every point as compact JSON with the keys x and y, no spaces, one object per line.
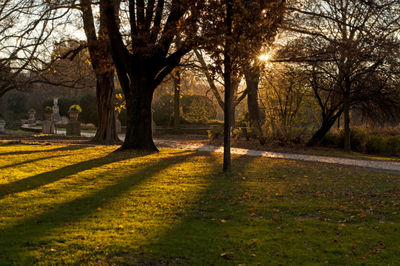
{"x":78,"y":204}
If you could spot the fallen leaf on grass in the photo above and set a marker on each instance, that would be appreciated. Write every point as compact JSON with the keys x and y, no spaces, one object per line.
{"x":227,"y":255}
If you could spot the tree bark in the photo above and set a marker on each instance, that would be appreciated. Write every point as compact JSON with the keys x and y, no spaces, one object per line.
{"x":252,"y":77}
{"x":346,"y":106}
{"x":106,"y":131}
{"x":327,"y":124}
{"x":102,"y":63}
{"x":139,"y":134}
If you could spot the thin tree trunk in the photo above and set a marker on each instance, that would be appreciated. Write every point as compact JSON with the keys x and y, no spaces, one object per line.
{"x":346,"y":105}
{"x":327,"y":124}
{"x":177,"y":95}
{"x":139,"y":134}
{"x":106,"y":130}
{"x":228,"y":91}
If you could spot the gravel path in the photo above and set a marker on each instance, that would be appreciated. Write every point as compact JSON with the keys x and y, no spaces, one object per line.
{"x":372,"y":164}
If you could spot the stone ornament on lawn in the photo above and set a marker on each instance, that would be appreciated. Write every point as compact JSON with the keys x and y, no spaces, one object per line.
{"x":74,"y":111}
{"x":48,"y":123}
{"x":74,"y":126}
{"x":56,"y":110}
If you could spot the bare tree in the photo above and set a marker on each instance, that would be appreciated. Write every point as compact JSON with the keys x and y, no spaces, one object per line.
{"x":346,"y":42}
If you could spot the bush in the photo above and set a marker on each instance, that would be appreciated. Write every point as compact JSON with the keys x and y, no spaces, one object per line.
{"x":378,"y":144}
{"x":216,"y":132}
{"x":13,"y":120}
{"x":358,"y":139}
{"x":366,"y":142}
{"x":164,"y":110}
{"x":198,"y":109}
{"x":332,"y":139}
{"x":394,"y":144}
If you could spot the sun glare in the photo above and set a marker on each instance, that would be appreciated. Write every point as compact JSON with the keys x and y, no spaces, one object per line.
{"x":264,"y":57}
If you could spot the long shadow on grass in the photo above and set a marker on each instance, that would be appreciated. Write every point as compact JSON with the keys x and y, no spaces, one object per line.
{"x":29,"y":232}
{"x":67,"y":148}
{"x":30,"y":161}
{"x":208,"y":224}
{"x":46,"y":178}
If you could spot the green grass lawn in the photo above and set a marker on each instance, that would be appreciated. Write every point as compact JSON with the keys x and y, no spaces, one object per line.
{"x":92,"y":205}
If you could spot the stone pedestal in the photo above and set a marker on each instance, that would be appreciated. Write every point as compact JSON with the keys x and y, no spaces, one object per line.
{"x":32,"y":118}
{"x":48,"y":127}
{"x":56,"y":114}
{"x":2,"y":126}
{"x":74,"y":128}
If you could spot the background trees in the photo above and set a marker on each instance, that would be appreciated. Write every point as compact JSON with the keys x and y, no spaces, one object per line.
{"x":347,"y":43}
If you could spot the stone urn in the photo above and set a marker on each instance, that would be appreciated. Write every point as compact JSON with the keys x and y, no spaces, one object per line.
{"x":73,"y":115}
{"x":2,"y":126}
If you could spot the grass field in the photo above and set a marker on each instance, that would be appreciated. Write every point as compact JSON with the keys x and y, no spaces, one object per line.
{"x":92,"y":205}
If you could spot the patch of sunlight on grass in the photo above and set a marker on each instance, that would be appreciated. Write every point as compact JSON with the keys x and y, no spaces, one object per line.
{"x":77,"y":204}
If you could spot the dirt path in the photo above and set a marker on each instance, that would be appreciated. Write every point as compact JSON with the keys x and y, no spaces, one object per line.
{"x":371,"y":164}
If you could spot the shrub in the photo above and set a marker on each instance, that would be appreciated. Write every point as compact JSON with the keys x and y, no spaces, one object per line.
{"x":163,"y":110}
{"x":358,"y":139}
{"x":378,"y":144}
{"x":195,"y":109}
{"x":332,"y":139}
{"x":216,"y":132}
{"x":198,"y":109}
{"x":393,"y":142}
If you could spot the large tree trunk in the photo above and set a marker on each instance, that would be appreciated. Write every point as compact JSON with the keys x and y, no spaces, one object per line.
{"x":346,"y":106}
{"x":102,"y":63}
{"x":252,"y":80}
{"x":139,"y":134}
{"x":327,"y":124}
{"x":106,"y":130}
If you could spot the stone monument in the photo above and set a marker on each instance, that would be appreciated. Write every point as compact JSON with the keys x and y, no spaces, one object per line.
{"x":56,"y":110}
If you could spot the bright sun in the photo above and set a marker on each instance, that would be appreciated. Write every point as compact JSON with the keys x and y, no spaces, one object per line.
{"x":264,"y":57}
